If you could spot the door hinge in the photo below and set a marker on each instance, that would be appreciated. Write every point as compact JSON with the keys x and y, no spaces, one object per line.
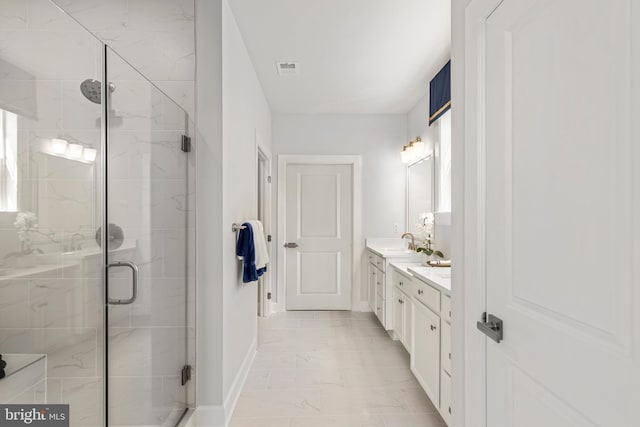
{"x":268,"y":295}
{"x":186,"y":374}
{"x":186,"y":144}
{"x":491,"y":326}
{"x":269,"y":179}
{"x":268,"y":237}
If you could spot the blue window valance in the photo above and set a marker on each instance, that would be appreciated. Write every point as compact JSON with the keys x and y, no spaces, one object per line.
{"x":440,"y":93}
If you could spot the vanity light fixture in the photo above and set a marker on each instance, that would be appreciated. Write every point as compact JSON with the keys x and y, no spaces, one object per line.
{"x":413,"y":151}
{"x":418,"y":147}
{"x":90,"y":154}
{"x":405,"y":154}
{"x":59,"y":146}
{"x":62,"y":148}
{"x":75,"y":151}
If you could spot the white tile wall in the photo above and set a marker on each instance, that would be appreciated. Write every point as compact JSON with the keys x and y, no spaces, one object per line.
{"x":156,"y":36}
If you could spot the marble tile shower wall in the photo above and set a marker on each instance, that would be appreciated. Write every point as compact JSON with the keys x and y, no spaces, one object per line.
{"x":55,"y":307}
{"x":156,"y":36}
{"x":149,"y":198}
{"x":50,"y":303}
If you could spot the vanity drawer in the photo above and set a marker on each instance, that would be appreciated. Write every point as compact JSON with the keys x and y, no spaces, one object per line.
{"x":427,"y":295}
{"x":402,"y":282}
{"x":377,"y":260}
{"x":446,"y":309}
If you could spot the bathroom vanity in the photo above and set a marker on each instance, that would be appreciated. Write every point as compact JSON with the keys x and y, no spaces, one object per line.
{"x":380,"y":253}
{"x":421,"y":312}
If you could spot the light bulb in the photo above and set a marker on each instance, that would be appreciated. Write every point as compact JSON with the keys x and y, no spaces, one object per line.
{"x":418,"y":147}
{"x":75,"y":151}
{"x":58,"y":146}
{"x":404,"y":155}
{"x":90,"y":154}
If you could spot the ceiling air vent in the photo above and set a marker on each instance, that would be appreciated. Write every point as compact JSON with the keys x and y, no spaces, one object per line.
{"x":288,"y":68}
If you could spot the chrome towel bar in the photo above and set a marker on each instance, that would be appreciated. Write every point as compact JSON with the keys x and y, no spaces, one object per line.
{"x":235,"y":227}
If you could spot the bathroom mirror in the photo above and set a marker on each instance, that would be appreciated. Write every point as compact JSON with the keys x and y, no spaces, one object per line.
{"x":420,"y":192}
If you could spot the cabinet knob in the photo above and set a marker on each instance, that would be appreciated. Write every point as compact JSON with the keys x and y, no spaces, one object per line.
{"x":449,"y":356}
{"x":420,"y":291}
{"x":433,"y":328}
{"x":401,"y":283}
{"x":449,"y":409}
{"x":400,"y":301}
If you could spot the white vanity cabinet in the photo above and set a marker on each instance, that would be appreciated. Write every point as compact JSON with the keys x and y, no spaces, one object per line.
{"x":425,"y":352}
{"x":431,"y":346}
{"x":402,"y":306}
{"x":379,"y":282}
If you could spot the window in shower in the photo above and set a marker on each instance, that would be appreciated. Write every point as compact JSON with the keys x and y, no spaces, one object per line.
{"x":8,"y":161}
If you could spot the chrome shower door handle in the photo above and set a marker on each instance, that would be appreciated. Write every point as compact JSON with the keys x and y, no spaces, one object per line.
{"x":134,"y":283}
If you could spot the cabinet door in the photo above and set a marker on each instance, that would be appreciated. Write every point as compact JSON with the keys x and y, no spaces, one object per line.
{"x":398,"y":315}
{"x":425,"y":354}
{"x":445,"y":397}
{"x":446,"y":347}
{"x":408,"y":323}
{"x":372,"y":286}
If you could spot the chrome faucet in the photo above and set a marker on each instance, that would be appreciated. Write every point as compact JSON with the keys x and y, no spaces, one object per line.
{"x":412,"y":245}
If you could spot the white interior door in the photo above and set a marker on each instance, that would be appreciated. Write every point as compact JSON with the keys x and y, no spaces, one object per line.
{"x":318,"y":229}
{"x":562,"y":209}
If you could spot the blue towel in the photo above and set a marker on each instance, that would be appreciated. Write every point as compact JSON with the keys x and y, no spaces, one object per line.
{"x":246,"y":249}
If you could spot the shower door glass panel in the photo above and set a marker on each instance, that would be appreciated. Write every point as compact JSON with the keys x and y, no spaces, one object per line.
{"x":51,"y":268}
{"x":147,"y":207}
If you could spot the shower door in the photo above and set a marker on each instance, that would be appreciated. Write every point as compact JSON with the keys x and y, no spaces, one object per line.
{"x":147,"y":200}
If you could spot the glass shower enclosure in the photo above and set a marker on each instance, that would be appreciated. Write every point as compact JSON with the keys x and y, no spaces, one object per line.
{"x":96,"y":228}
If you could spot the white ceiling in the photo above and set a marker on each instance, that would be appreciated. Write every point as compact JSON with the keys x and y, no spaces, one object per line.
{"x":355,"y":56}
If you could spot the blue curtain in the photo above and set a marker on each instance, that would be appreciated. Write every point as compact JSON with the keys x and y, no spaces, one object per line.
{"x":440,"y":93}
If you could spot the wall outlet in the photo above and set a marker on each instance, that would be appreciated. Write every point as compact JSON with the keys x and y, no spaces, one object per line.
{"x":396,"y":228}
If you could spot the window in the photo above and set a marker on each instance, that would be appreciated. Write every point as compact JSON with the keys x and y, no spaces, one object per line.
{"x":444,"y":163}
{"x":8,"y":161}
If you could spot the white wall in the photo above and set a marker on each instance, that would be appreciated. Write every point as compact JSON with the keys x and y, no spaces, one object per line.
{"x":418,"y":125}
{"x":208,"y":151}
{"x":231,"y":109}
{"x":378,"y":139}
{"x":245,"y":112}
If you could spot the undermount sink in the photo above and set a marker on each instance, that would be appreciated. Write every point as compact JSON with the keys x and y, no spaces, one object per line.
{"x":402,"y":250}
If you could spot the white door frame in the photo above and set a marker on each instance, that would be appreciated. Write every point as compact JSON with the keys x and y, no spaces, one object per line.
{"x":356,"y":164}
{"x":469,"y":286}
{"x":265,"y":153}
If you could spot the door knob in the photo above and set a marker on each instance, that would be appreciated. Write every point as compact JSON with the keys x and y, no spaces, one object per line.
{"x":291,"y":245}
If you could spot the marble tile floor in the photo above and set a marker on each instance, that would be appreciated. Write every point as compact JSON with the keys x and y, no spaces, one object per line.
{"x":331,"y":369}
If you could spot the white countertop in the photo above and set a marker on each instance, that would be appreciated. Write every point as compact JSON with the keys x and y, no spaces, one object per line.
{"x":389,"y":247}
{"x":404,"y":267}
{"x":438,"y":277}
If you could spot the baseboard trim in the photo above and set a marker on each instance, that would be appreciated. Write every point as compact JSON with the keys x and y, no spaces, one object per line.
{"x":231,"y":400}
{"x":206,"y":416}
